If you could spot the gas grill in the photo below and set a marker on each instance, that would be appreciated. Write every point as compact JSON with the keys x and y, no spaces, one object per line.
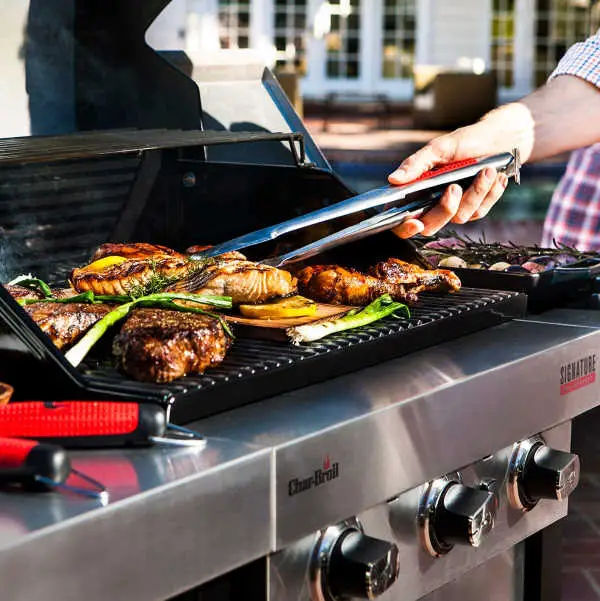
{"x":414,"y":459}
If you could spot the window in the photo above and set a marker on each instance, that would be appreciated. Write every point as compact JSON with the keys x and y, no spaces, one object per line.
{"x":343,"y":40}
{"x":559,"y":24}
{"x":234,"y":24}
{"x":503,"y":41}
{"x":399,"y":32}
{"x":290,"y":33}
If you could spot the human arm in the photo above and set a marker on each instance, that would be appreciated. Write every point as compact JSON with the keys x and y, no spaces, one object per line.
{"x":562,"y":115}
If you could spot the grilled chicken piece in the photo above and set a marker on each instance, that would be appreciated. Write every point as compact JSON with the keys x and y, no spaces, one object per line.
{"x":65,"y":323}
{"x":340,"y":286}
{"x":395,"y":271}
{"x":156,"y":345}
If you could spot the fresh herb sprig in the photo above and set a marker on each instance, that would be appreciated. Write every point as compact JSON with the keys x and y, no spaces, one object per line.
{"x":482,"y":251}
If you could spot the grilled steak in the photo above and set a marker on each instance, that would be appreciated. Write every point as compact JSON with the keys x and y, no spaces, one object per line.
{"x":418,"y":279}
{"x":65,"y":323}
{"x":20,"y":292}
{"x":228,"y":275}
{"x":156,"y":345}
{"x":340,"y":286}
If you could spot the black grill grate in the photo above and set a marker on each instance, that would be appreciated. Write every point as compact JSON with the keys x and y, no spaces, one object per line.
{"x":255,"y":369}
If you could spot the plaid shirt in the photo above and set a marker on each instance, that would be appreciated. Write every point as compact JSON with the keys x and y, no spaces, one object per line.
{"x":574,"y":214}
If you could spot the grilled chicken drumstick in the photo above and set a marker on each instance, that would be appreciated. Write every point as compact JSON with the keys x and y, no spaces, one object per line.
{"x":396,"y":271}
{"x":341,"y":286}
{"x":401,"y":280}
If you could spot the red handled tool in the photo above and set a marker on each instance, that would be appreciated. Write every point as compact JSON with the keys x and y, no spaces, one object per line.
{"x":40,"y":467}
{"x":89,"y":424}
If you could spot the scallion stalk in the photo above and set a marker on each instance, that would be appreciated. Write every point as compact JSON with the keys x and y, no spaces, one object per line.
{"x":378,"y":309}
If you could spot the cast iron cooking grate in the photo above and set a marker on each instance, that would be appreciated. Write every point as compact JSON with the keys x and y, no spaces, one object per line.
{"x":256,"y":369}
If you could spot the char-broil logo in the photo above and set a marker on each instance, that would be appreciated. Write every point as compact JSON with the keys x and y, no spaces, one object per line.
{"x":577,"y":374}
{"x":326,"y":473}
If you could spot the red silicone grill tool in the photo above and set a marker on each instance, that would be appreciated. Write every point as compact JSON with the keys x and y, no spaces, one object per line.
{"x":40,"y":467}
{"x":88,"y":424}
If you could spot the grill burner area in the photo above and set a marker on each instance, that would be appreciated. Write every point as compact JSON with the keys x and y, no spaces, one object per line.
{"x":255,"y":369}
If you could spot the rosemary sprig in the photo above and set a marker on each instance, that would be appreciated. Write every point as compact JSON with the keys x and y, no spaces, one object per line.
{"x":480,"y":250}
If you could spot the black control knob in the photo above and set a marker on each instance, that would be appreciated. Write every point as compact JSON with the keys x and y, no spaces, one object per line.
{"x":454,"y":514}
{"x":361,"y":567}
{"x":465,"y":515}
{"x":539,"y":472}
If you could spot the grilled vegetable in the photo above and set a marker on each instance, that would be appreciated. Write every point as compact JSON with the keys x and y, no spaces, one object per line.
{"x":378,"y":309}
{"x":295,"y":306}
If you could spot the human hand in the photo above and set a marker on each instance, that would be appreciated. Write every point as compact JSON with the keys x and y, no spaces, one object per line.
{"x":456,"y":205}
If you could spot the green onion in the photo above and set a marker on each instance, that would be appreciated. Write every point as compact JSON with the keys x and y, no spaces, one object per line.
{"x":78,"y":352}
{"x":378,"y":309}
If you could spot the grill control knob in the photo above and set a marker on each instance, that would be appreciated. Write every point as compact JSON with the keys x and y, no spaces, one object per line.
{"x":347,"y":563}
{"x":539,"y":472}
{"x":454,"y":514}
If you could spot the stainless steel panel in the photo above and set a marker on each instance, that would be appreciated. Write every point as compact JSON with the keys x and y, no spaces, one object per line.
{"x":499,"y":579}
{"x":396,"y":521}
{"x":195,"y":516}
{"x":572,"y":317}
{"x":387,"y":433}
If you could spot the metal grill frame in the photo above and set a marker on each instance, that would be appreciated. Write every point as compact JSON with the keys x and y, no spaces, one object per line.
{"x":256,"y":368}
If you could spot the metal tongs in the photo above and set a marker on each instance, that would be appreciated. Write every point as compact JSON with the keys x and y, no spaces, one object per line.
{"x":434,"y":181}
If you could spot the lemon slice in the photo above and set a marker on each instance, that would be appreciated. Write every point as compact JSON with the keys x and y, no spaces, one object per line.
{"x":295,"y":306}
{"x":105,"y":262}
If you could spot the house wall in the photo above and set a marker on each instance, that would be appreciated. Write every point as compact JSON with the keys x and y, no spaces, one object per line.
{"x":449,"y":31}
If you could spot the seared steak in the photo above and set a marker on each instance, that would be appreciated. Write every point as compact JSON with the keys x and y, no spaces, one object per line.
{"x":156,"y":345}
{"x":65,"y":323}
{"x":20,"y":292}
{"x":340,"y":286}
{"x":416,"y":278}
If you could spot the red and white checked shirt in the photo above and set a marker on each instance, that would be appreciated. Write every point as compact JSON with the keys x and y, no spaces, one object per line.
{"x":574,"y":214}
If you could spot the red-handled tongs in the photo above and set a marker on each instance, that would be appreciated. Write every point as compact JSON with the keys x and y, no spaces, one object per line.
{"x":391,"y":199}
{"x":93,"y":424}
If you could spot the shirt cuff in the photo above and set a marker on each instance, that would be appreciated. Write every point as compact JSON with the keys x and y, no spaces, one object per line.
{"x":581,"y":60}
